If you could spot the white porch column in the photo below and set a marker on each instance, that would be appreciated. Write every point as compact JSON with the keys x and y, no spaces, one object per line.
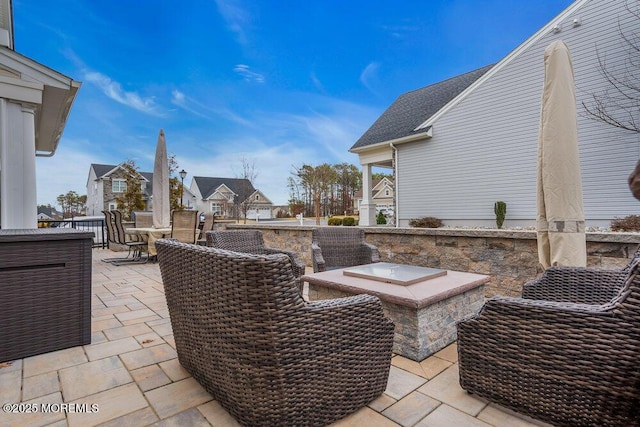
{"x":17,"y":166}
{"x":367,"y":207}
{"x":30,"y":199}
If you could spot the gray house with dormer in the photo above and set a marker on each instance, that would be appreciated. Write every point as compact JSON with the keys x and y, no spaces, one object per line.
{"x":457,"y":146}
{"x":230,"y":198}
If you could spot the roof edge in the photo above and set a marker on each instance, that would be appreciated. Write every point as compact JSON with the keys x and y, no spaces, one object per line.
{"x":426,"y":133}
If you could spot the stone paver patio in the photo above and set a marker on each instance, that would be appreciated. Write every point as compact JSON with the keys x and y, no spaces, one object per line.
{"x":131,"y":375}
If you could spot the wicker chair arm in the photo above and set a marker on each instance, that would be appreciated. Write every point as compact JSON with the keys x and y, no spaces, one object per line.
{"x":296,"y":262}
{"x":348,"y":316}
{"x":579,"y":285}
{"x":371,"y":251}
{"x":318,"y":261}
{"x":522,"y":306}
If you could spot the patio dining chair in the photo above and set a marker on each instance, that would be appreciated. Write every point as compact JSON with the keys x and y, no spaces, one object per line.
{"x":184,"y":224}
{"x":251,"y":241}
{"x":116,"y":237}
{"x":268,"y":357}
{"x":209,"y":220}
{"x":339,"y":247}
{"x":143,"y":219}
{"x":568,"y":357}
{"x":136,"y":245}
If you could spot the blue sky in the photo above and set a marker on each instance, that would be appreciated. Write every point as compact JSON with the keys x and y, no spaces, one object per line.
{"x":279,"y":83}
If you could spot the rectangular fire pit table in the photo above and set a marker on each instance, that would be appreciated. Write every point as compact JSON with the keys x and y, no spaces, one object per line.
{"x":424,"y":307}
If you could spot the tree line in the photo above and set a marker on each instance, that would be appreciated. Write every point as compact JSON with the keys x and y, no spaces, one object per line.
{"x":325,"y":190}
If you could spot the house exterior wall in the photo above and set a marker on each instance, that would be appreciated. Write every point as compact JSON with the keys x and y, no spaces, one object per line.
{"x":484,"y":149}
{"x":95,"y":194}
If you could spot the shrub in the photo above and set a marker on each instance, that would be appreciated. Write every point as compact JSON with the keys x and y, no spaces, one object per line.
{"x":628,"y":223}
{"x":426,"y":222}
{"x":380,"y":219}
{"x":334,"y":221}
{"x":500,"y":209}
{"x":349,"y":221}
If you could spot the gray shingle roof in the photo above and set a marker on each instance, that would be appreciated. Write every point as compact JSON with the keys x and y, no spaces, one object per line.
{"x":207,"y":185}
{"x":411,"y":109}
{"x":101,"y":169}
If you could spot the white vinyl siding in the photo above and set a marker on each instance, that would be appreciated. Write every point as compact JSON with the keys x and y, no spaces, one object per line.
{"x":484,"y":149}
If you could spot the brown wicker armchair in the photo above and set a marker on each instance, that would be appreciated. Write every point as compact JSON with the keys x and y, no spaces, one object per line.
{"x":338,"y":247}
{"x":251,"y":242}
{"x":570,"y":359}
{"x":270,"y":358}
{"x":579,"y":284}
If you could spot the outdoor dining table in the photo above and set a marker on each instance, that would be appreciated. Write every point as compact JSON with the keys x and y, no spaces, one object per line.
{"x":150,"y":235}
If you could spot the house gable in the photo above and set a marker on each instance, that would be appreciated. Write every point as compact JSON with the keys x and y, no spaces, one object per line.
{"x":484,"y":143}
{"x":222,"y":193}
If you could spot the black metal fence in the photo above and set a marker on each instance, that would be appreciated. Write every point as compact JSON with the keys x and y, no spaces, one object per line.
{"x":96,"y":225}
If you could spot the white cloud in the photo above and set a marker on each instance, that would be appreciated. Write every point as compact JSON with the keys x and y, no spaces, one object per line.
{"x":316,"y":82}
{"x":193,"y":106}
{"x":113,"y":90}
{"x":248,"y":75}
{"x":369,"y":76}
{"x":237,"y":18}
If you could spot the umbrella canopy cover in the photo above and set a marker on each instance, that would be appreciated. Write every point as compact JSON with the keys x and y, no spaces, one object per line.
{"x":161,"y":207}
{"x":560,"y":219}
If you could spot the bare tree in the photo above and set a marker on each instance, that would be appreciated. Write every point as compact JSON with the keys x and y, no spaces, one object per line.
{"x":248,"y":175}
{"x":619,"y":105}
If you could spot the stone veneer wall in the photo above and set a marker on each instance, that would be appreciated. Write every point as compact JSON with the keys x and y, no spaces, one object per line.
{"x":509,"y":257}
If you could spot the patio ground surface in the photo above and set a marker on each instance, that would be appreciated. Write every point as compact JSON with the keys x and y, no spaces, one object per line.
{"x":130,"y":373}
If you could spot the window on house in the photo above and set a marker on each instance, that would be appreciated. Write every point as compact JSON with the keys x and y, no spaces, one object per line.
{"x":119,"y":185}
{"x":216,"y":208}
{"x":257,"y":197}
{"x":387,"y":193}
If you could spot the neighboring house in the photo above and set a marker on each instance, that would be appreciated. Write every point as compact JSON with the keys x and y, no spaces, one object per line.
{"x":460,"y":145}
{"x":382,"y":195}
{"x":48,"y":213}
{"x":224,"y":197}
{"x":34,"y":103}
{"x":108,"y":182}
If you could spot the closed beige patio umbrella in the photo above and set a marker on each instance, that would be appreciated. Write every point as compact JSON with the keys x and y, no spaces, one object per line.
{"x":161,"y":207}
{"x":560,"y":219}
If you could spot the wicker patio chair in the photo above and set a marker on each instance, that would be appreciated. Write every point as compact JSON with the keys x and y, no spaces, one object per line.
{"x":585,"y":285}
{"x":251,"y":241}
{"x":245,"y":334}
{"x":184,"y":224}
{"x":209,"y":220}
{"x":338,"y":247}
{"x":567,"y":363}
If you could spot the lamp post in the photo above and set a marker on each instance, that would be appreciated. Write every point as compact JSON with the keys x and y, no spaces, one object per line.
{"x":182,"y":173}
